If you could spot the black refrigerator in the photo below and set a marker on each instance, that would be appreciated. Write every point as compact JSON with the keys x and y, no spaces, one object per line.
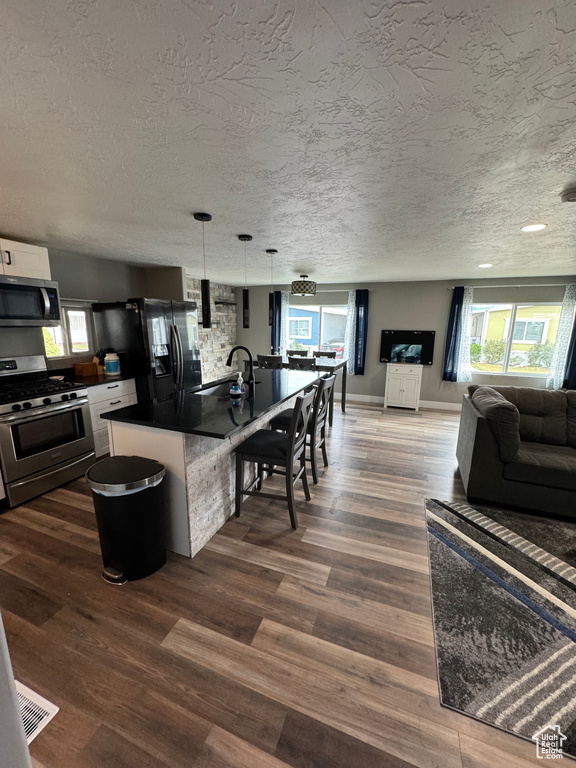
{"x":156,"y":341}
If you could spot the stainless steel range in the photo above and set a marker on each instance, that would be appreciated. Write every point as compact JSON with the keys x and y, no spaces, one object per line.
{"x":45,"y":430}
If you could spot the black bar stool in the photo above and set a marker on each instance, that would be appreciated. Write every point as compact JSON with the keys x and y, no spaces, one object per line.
{"x":268,"y":450}
{"x":317,"y":423}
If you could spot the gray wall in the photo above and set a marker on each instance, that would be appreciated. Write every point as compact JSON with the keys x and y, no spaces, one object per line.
{"x":21,"y":341}
{"x":78,"y":277}
{"x":84,"y":277}
{"x":165,"y":283}
{"x":422,"y":306}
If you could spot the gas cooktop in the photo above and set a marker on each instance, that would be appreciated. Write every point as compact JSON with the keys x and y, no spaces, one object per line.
{"x":20,"y":390}
{"x":25,"y":384}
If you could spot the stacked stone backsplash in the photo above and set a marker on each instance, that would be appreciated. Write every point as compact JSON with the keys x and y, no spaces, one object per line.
{"x":216,"y":342}
{"x":211,"y":477}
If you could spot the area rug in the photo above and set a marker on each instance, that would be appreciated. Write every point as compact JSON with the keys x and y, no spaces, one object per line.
{"x":504,"y":609}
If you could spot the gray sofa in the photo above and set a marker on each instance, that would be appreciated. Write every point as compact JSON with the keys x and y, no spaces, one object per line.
{"x":517,"y":447}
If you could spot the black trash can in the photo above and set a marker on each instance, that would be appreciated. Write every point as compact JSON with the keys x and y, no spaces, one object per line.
{"x":129,"y":503}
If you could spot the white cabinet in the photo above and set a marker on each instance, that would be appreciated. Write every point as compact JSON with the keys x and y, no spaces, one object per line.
{"x":105,"y":397}
{"x":403,"y":382}
{"x":22,"y":260}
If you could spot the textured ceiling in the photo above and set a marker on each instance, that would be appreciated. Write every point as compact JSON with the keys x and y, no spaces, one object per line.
{"x":363,"y":140}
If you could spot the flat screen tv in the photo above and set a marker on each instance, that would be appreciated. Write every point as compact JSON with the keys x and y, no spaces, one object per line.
{"x":415,"y":347}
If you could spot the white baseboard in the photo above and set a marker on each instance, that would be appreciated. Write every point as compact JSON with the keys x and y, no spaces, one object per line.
{"x":436,"y":405}
{"x":361,"y":399}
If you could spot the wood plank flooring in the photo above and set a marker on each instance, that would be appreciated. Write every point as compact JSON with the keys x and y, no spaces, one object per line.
{"x":272,"y":647}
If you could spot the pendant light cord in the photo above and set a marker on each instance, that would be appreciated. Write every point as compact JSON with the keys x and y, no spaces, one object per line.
{"x":245,"y":268}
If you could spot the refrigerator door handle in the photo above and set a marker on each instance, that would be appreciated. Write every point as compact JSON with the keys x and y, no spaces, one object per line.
{"x":180,"y":355}
{"x":175,"y":355}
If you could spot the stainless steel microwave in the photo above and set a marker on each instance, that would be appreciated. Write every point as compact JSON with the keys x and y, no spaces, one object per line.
{"x":26,"y":302}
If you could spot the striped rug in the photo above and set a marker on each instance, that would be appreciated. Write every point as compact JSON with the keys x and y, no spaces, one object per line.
{"x":504,"y":601}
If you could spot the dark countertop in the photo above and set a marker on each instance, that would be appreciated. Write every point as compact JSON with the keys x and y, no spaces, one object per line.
{"x":93,"y":381}
{"x":214,"y":416}
{"x":86,"y":381}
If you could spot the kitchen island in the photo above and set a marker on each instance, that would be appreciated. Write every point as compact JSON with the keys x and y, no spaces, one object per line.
{"x":194,"y":436}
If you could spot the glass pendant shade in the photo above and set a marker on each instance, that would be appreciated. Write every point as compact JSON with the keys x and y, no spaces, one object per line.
{"x":303,"y":287}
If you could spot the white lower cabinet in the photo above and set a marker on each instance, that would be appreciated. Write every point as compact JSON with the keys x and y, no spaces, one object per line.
{"x":105,"y":397}
{"x":403,"y":383}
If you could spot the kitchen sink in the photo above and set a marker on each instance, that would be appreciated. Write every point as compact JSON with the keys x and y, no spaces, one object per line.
{"x":221,"y":390}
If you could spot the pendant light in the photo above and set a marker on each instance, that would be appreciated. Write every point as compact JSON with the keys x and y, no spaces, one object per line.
{"x":271,"y":301}
{"x":205,"y":284}
{"x":245,"y":293}
{"x":303,"y":287}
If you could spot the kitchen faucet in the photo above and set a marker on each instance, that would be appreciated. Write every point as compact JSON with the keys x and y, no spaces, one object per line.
{"x":251,"y":382}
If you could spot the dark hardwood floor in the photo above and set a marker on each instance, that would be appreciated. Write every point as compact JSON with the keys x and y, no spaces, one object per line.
{"x":272,"y":647}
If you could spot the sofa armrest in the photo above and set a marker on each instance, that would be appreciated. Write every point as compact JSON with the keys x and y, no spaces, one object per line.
{"x":503,"y":419}
{"x":477,"y":452}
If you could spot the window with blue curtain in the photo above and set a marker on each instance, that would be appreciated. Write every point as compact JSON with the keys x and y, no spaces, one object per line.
{"x":452,"y":350}
{"x":570,"y":370}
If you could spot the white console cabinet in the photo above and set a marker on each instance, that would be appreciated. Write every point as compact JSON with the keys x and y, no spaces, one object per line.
{"x":23,"y":260}
{"x":104,"y":397}
{"x":403,"y":382}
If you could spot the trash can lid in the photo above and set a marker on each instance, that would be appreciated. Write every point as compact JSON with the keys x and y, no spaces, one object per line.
{"x":124,"y":473}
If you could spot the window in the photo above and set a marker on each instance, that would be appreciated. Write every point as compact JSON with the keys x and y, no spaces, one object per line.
{"x":300,"y":328}
{"x":73,"y":336}
{"x":317,"y":328}
{"x":514,"y":338}
{"x":332,"y":329}
{"x":527,"y":331}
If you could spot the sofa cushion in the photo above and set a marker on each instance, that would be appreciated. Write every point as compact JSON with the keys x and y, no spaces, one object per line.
{"x":571,"y":418}
{"x":503,"y":419}
{"x":543,"y":413}
{"x":540,"y":464}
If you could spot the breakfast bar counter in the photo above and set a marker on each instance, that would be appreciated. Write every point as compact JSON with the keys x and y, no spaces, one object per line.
{"x":194,"y":436}
{"x":210,"y":411}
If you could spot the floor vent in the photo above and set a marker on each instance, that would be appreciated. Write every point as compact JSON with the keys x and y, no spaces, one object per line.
{"x":36,"y":711}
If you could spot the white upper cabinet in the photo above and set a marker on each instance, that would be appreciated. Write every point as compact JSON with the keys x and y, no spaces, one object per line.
{"x":22,"y":260}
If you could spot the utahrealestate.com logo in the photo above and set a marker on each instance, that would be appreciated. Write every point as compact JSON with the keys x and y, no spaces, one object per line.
{"x":549,"y":742}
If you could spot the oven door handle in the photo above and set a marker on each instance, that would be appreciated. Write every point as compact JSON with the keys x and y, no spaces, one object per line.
{"x":46,"y":299}
{"x":17,"y":418}
{"x":52,"y":472}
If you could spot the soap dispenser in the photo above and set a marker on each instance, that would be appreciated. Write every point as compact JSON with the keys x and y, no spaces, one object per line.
{"x":240,"y":384}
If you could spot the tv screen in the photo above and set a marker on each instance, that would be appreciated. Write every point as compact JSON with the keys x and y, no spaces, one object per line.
{"x":410,"y":347}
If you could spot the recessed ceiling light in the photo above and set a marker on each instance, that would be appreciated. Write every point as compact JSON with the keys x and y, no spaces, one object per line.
{"x":533,"y":227}
{"x":485,"y":266}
